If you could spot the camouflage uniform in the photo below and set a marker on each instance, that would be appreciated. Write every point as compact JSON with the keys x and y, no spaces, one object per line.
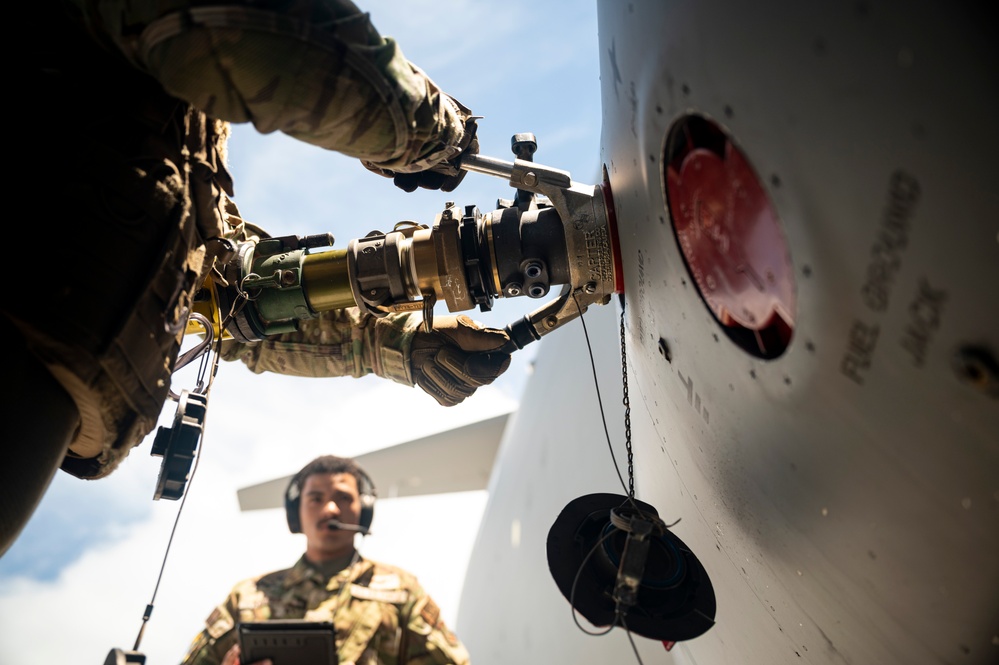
{"x":129,"y":103}
{"x":381,"y":614}
{"x":343,"y":342}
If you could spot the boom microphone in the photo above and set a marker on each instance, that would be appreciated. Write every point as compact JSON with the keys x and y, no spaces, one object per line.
{"x":336,"y":525}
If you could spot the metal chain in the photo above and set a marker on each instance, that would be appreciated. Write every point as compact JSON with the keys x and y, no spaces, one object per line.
{"x":627,"y":413}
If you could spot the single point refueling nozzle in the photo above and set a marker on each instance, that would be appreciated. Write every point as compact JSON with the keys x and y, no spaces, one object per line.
{"x":553,"y":232}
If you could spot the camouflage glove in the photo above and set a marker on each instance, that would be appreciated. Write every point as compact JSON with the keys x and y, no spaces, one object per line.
{"x":446,"y":175}
{"x":456,"y":357}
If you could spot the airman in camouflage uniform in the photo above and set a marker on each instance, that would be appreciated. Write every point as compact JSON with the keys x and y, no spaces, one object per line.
{"x":129,"y":103}
{"x":381,"y":614}
{"x":367,"y":603}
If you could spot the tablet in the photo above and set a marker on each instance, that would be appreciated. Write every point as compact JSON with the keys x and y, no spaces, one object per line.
{"x":288,"y":642}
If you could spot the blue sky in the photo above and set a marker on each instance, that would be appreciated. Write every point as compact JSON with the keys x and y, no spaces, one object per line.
{"x":93,"y":549}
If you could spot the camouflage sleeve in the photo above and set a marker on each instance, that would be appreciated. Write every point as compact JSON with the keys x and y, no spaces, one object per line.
{"x":430,"y":641}
{"x":343,"y":342}
{"x":316,"y":70}
{"x":211,"y":644}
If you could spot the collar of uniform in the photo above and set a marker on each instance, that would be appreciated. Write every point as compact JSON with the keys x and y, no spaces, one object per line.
{"x":350,"y":575}
{"x":334,"y":567}
{"x":319,"y":573}
{"x":301,"y":571}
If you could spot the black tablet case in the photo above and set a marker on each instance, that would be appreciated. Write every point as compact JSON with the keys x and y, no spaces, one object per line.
{"x":288,"y":642}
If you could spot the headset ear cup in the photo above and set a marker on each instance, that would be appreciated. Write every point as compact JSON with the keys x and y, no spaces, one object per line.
{"x":294,"y":524}
{"x":367,"y":513}
{"x":292,"y":498}
{"x":368,"y":496}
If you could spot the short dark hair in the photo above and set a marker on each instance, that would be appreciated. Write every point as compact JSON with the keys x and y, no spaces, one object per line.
{"x":330,"y":464}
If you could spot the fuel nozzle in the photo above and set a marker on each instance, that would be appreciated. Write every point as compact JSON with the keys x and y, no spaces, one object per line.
{"x":553,"y":232}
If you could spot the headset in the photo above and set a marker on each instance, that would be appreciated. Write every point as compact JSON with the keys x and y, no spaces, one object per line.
{"x":366,"y":489}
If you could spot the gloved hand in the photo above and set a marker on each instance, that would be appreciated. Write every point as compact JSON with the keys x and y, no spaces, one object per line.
{"x":445,"y":176}
{"x":456,"y":357}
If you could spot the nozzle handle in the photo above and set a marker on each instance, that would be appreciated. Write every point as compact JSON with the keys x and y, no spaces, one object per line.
{"x":521,"y":334}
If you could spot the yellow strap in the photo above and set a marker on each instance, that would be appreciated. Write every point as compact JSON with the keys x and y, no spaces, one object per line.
{"x":210,"y":310}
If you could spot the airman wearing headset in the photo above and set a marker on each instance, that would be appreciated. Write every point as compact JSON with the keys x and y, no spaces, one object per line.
{"x":330,"y":500}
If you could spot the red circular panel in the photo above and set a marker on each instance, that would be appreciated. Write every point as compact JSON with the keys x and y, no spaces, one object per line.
{"x":731,"y":238}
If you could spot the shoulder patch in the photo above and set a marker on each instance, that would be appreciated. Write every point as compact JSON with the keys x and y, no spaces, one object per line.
{"x":430,"y":612}
{"x":393,"y":596}
{"x":218,"y":623}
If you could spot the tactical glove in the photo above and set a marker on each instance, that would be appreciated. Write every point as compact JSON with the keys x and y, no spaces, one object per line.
{"x":447,"y":175}
{"x":440,"y":168}
{"x":456,"y":357}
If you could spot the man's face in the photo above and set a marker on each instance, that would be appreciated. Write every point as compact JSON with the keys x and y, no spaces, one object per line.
{"x":325,"y":497}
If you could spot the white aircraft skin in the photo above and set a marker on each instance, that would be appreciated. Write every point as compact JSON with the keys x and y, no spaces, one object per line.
{"x":553,"y":450}
{"x":844,"y":495}
{"x":841,"y":488}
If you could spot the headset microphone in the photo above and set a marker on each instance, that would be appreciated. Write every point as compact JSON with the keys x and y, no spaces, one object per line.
{"x":336,"y":525}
